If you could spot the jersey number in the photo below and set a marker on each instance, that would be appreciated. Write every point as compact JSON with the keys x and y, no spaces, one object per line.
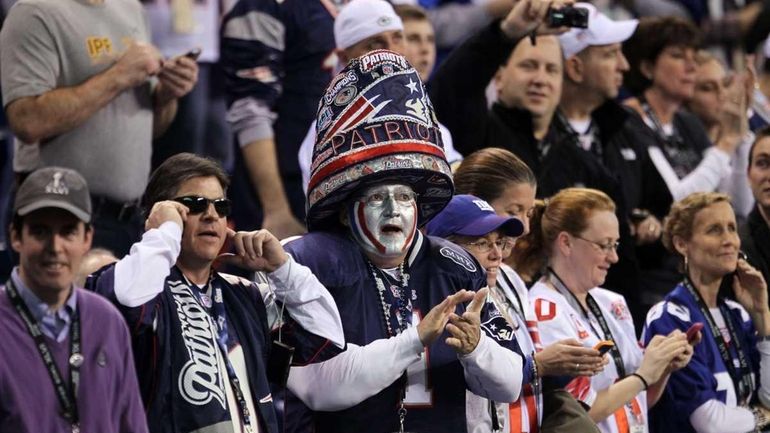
{"x":418,"y":392}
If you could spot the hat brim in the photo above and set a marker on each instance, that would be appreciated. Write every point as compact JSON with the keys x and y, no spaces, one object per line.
{"x":429,"y":176}
{"x":492,"y":222}
{"x":615,"y":32}
{"x":59,"y":204}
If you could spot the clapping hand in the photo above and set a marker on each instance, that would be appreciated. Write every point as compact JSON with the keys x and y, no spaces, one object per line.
{"x":432,"y":325}
{"x":465,"y":330}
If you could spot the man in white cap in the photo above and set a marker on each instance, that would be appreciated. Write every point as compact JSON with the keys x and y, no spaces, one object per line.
{"x":367,"y":25}
{"x":594,"y":133}
{"x":360,"y":27}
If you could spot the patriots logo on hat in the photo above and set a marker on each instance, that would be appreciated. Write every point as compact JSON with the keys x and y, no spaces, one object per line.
{"x":345,"y":96}
{"x":57,"y":185}
{"x":376,"y":122}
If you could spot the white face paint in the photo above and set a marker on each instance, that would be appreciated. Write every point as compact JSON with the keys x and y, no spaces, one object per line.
{"x":383,"y":219}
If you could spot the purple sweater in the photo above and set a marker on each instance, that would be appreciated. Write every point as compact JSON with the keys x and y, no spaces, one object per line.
{"x":108,"y":397}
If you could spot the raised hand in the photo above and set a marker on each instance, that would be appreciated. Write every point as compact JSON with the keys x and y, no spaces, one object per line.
{"x":256,"y":251}
{"x":569,"y":358}
{"x":734,"y":120}
{"x":432,"y":325}
{"x":465,"y":330}
{"x":530,"y":15}
{"x":750,"y":288}
{"x":163,"y":211}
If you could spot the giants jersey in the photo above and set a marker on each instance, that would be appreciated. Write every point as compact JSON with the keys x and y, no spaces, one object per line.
{"x":705,"y":377}
{"x":436,"y":402}
{"x":280,"y":53}
{"x":560,"y":317}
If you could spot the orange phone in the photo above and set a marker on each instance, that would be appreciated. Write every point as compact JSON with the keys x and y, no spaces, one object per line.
{"x":604,"y":346}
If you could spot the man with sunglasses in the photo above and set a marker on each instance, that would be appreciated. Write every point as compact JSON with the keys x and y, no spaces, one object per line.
{"x":202,"y":338}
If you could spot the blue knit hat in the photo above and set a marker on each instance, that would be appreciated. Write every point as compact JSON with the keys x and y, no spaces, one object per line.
{"x":376,"y":124}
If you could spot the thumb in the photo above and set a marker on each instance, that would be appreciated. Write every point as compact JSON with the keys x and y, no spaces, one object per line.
{"x":478,"y":301}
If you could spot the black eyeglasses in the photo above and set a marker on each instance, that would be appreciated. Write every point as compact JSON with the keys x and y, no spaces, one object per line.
{"x":198,"y":204}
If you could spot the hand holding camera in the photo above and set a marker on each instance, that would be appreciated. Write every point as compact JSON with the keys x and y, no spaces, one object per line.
{"x":543,"y":17}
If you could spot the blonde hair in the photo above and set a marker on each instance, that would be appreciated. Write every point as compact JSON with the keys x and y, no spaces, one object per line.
{"x":681,"y":217}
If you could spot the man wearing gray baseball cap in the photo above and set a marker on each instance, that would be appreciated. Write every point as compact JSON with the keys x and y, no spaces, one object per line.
{"x":67,"y":361}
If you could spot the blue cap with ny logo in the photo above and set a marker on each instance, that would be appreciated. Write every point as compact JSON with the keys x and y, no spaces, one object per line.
{"x":468,"y":215}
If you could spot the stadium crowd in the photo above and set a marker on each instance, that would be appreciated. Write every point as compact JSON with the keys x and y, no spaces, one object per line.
{"x":379,"y":216}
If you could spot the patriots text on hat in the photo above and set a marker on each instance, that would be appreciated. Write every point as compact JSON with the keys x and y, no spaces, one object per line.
{"x":377,"y":58}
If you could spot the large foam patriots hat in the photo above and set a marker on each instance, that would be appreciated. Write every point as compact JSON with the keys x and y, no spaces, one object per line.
{"x":375,"y":124}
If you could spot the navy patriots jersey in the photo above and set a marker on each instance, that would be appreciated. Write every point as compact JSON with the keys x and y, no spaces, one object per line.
{"x":437,"y":268}
{"x":284,"y":57}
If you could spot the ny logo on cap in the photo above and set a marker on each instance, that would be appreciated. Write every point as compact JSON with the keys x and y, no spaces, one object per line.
{"x":483,"y":205}
{"x":57,"y":185}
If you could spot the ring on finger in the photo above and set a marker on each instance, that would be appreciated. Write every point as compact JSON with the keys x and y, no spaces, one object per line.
{"x":577,"y":366}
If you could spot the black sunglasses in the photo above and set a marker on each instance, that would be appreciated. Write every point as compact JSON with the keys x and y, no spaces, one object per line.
{"x":198,"y":204}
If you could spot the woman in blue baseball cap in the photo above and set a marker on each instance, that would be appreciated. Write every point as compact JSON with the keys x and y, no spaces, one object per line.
{"x":473,"y":224}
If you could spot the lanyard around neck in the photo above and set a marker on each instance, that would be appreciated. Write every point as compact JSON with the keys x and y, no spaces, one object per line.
{"x":742,"y":382}
{"x":66,"y":394}
{"x":213,"y":304}
{"x":597,"y":313}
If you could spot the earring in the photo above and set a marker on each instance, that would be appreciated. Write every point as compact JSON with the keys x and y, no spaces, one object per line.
{"x":686,"y":265}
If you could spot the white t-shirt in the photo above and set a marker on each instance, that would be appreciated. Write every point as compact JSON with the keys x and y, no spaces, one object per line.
{"x":560,"y":317}
{"x":506,"y":295}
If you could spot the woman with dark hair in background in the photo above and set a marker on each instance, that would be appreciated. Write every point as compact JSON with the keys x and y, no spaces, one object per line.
{"x":720,"y":100}
{"x":663,"y":76}
{"x":502,"y":179}
{"x":726,"y":386}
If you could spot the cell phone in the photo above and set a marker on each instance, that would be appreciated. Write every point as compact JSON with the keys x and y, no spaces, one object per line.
{"x":193,"y":54}
{"x":604,"y":346}
{"x":727,"y":280}
{"x":568,"y":16}
{"x":693,"y":330}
